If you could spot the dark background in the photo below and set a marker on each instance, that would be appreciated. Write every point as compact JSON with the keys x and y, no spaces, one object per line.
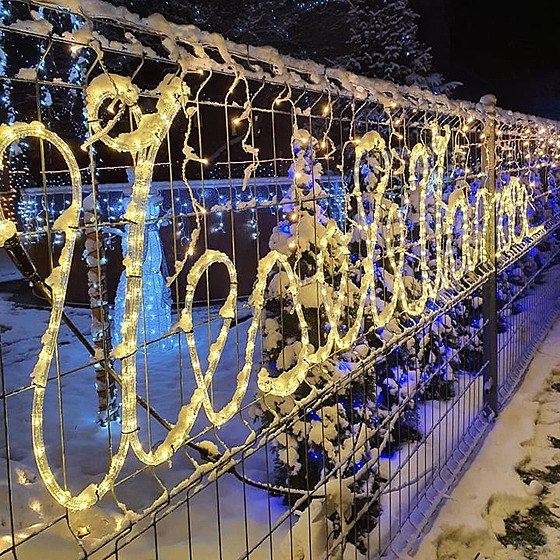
{"x":509,"y":49}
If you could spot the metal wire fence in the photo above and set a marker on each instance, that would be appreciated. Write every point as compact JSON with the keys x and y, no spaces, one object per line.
{"x":302,"y":295}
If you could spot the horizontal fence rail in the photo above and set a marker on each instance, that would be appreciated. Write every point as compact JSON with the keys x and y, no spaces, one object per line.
{"x":279,"y":305}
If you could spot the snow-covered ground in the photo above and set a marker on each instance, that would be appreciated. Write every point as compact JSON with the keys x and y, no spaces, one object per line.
{"x":227,"y":517}
{"x":476,"y":515}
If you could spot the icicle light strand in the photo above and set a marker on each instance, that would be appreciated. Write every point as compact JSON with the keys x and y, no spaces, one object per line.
{"x":422,"y":177}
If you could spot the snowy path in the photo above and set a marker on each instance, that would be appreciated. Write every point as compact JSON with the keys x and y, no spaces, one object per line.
{"x":516,"y":471}
{"x":469,"y":524}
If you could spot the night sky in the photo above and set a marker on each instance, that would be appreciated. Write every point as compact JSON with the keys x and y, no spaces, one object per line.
{"x":506,"y":48}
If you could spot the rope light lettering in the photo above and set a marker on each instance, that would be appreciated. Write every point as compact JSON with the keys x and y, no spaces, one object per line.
{"x":67,"y":223}
{"x":375,"y":218}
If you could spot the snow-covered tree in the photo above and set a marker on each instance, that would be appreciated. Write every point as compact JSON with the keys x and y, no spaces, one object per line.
{"x":375,"y":38}
{"x":367,"y":416}
{"x":256,"y":22}
{"x":383,"y":43}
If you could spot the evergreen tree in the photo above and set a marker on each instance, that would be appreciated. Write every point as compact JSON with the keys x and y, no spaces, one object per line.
{"x":256,"y":22}
{"x":375,"y":38}
{"x":371,"y":415}
{"x":383,"y":44}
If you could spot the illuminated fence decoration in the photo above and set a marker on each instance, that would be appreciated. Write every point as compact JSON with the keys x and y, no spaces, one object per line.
{"x":336,"y":250}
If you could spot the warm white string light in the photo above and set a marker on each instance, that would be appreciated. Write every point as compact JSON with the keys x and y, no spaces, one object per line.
{"x":143,"y":144}
{"x":67,"y":223}
{"x":424,"y":177}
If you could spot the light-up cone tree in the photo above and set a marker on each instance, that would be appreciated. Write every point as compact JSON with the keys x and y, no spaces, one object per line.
{"x":155,"y":305}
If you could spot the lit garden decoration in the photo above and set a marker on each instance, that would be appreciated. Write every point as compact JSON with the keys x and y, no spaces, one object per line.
{"x":388,"y":208}
{"x":424,"y":177}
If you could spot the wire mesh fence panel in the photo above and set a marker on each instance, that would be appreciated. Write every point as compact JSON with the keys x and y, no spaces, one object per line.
{"x":261,"y":308}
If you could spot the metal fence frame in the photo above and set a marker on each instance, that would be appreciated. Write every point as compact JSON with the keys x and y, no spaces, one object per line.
{"x":398,"y":502}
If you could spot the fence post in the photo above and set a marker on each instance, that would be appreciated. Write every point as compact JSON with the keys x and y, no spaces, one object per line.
{"x":490,"y":308}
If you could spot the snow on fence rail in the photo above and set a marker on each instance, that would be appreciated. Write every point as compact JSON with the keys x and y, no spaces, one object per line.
{"x":309,"y":291}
